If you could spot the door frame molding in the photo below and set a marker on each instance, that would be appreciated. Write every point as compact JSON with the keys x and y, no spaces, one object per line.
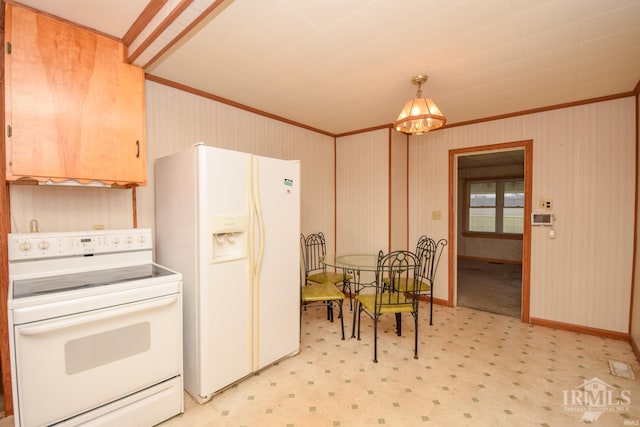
{"x":527,"y":146}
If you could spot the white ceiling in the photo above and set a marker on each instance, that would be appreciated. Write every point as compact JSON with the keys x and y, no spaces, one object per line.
{"x":345,"y":65}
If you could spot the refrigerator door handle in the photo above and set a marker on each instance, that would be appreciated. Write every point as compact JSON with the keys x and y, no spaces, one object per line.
{"x":251,"y":220}
{"x":258,"y":212}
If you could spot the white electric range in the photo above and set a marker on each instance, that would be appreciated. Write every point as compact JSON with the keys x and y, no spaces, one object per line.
{"x":95,"y":330}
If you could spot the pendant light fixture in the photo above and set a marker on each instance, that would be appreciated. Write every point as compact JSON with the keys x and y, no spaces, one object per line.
{"x":420,"y":115}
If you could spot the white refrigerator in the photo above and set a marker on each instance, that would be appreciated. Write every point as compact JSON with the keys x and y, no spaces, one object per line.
{"x":230,"y":223}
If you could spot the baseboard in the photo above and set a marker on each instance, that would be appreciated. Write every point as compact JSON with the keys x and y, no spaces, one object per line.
{"x":501,"y":261}
{"x":581,"y":329}
{"x":436,"y":301}
{"x":634,"y":347}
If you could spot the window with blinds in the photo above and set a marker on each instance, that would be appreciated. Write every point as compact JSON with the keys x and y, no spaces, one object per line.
{"x":495,"y":206}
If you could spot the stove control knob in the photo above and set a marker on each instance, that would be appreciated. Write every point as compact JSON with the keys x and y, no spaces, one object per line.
{"x":141,"y":239}
{"x":129,"y":240}
{"x":44,"y":245}
{"x":25,"y":246}
{"x":116,"y":240}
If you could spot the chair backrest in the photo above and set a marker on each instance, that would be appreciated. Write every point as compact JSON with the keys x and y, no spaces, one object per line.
{"x":314,"y":248}
{"x":429,"y":252}
{"x":303,"y":268}
{"x":400,"y":267}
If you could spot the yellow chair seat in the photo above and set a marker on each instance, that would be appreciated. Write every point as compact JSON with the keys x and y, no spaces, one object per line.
{"x":329,"y":277}
{"x":422,"y":286}
{"x":321,"y":292}
{"x":368,"y":301}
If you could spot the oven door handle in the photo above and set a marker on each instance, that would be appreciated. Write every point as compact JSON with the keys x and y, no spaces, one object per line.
{"x":107,"y":314}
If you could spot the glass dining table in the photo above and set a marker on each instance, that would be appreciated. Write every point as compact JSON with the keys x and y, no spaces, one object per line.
{"x":355,"y":264}
{"x":360,"y":262}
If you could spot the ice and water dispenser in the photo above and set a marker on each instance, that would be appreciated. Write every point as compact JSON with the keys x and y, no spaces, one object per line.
{"x":229,"y":238}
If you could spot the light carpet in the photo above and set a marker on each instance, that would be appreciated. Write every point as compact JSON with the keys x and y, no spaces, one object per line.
{"x":492,"y":287}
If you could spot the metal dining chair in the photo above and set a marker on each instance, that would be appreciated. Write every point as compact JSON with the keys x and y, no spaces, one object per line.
{"x":398,"y":267}
{"x":319,"y":294}
{"x":315,"y":249}
{"x":428,"y":252}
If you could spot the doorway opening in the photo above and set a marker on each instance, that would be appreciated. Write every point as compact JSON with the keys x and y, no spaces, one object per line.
{"x":490,"y":190}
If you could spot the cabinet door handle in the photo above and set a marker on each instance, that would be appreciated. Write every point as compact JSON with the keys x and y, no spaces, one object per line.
{"x":138,"y":149}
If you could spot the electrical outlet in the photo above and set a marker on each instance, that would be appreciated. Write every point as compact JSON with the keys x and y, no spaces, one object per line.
{"x":546,"y":204}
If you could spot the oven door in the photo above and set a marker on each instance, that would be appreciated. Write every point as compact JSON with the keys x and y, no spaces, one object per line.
{"x":69,"y":365}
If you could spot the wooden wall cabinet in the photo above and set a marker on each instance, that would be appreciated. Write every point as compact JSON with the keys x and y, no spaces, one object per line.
{"x":74,"y":109}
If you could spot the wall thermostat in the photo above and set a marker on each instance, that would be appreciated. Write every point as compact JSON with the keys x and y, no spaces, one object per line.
{"x":541,"y":218}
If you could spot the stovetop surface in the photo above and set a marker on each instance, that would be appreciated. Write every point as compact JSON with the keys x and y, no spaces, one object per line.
{"x":23,"y":288}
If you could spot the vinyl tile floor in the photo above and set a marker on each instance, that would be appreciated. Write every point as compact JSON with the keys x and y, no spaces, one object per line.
{"x":474,"y":369}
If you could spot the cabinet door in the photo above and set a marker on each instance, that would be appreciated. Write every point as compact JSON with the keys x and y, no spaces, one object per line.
{"x":75,"y":109}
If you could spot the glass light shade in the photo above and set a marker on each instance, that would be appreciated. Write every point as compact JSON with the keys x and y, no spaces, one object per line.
{"x":420,"y":115}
